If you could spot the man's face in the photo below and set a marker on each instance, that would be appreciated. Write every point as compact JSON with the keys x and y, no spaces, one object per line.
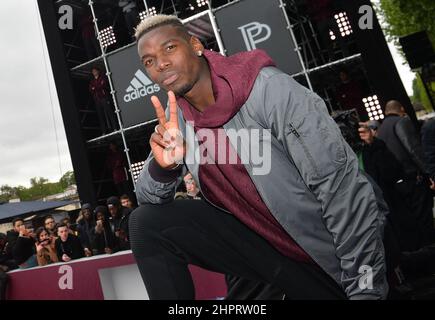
{"x":95,"y":73}
{"x":100,"y":216}
{"x":17,"y":225}
{"x":49,"y":223}
{"x":87,"y":214}
{"x":343,"y":76}
{"x":190,"y":184}
{"x":62,"y":232}
{"x":126,"y":203}
{"x":113,"y":210}
{"x":170,"y":58}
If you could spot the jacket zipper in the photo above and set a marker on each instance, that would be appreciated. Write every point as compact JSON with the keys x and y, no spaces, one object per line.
{"x":304,"y":146}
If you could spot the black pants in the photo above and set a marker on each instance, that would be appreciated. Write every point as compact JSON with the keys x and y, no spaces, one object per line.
{"x":166,"y":238}
{"x":106,"y":115}
{"x":417,"y":224}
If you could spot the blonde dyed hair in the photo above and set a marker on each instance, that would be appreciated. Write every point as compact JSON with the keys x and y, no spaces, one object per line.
{"x":156,"y":21}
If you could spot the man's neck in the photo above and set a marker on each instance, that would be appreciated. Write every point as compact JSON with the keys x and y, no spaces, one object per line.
{"x":201,"y":95}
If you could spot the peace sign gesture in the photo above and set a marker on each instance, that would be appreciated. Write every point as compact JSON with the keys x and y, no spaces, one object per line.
{"x":166,"y":142}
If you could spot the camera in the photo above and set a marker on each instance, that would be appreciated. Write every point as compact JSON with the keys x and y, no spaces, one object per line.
{"x":348,"y":122}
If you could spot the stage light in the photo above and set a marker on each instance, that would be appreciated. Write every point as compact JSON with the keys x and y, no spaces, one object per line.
{"x":201,"y":3}
{"x":373,"y":107}
{"x":107,"y":37}
{"x":148,"y":13}
{"x":332,"y":35}
{"x":136,"y":169}
{"x":343,"y":24}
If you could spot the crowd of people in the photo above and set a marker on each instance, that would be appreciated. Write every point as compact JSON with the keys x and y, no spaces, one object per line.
{"x":99,"y":230}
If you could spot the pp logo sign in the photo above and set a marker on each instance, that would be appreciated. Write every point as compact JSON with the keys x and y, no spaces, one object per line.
{"x":254,"y":33}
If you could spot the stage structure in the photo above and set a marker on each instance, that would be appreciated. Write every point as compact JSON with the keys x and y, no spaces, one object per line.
{"x":311,"y":43}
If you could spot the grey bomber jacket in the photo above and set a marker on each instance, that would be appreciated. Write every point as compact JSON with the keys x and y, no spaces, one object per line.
{"x":312,"y":185}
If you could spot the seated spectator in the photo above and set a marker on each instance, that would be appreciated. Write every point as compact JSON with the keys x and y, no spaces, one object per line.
{"x":126,"y":202}
{"x":85,"y":228}
{"x":192,"y":189}
{"x":72,"y":227}
{"x":50,"y":225}
{"x":24,"y":249}
{"x":68,"y":246}
{"x":119,"y":223}
{"x":12,"y":236}
{"x":104,"y":239}
{"x":45,"y":247}
{"x":6,"y":260}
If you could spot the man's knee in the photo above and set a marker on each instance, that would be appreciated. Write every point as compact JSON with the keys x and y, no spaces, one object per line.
{"x":142,"y":219}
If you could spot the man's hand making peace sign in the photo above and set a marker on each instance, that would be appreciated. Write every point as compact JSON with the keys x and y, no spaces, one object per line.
{"x":166,"y":142}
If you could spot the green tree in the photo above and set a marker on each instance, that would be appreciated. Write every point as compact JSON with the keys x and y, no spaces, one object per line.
{"x":403,"y":17}
{"x":420,"y":94}
{"x":7,"y":192}
{"x":67,"y":179}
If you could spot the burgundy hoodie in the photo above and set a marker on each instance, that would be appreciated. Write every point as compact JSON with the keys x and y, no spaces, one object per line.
{"x":229,"y":186}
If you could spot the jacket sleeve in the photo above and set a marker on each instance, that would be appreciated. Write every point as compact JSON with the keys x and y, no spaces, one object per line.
{"x":409,"y":138}
{"x":77,"y":249}
{"x":58,"y":248}
{"x":299,"y":119}
{"x":428,"y":141}
{"x":156,"y":185}
{"x":83,"y":236}
{"x":22,"y":249}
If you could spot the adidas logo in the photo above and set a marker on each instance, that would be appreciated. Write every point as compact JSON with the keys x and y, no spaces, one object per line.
{"x":140,"y":86}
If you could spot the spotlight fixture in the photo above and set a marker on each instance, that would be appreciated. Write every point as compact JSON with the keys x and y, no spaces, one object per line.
{"x":373,"y":108}
{"x":201,"y":3}
{"x":148,"y":13}
{"x":343,"y":24}
{"x":136,"y":168}
{"x":332,"y":35}
{"x":107,"y":37}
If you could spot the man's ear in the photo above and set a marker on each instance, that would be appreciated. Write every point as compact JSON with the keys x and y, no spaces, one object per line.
{"x":196,"y":44}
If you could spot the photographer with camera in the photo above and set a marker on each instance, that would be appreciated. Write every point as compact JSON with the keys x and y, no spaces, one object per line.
{"x":45,"y":247}
{"x":103,"y":237}
{"x":119,"y":217}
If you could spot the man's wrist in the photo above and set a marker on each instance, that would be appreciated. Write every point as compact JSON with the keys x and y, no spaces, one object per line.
{"x":163,"y":175}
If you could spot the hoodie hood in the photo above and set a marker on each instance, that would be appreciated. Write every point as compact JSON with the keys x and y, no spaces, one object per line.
{"x":232,"y":81}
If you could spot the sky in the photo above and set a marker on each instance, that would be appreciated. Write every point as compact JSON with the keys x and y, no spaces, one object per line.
{"x":32,"y":136}
{"x":28,"y":144}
